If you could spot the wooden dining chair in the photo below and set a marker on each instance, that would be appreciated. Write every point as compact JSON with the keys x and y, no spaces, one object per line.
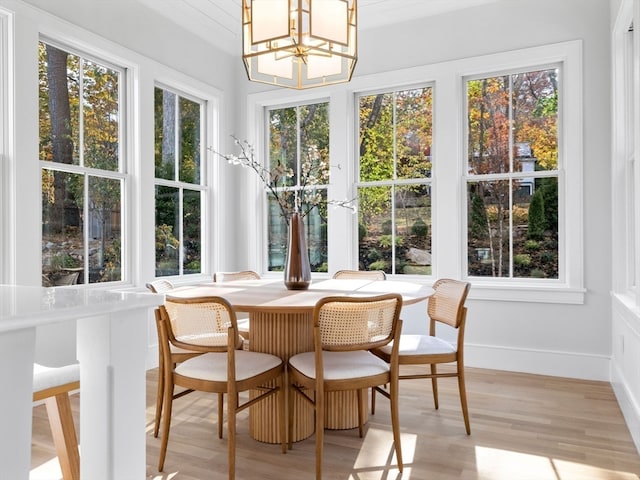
{"x":243,"y":319}
{"x":160,"y":286}
{"x":345,"y":329}
{"x":53,"y":385}
{"x":177,"y":355}
{"x":222,"y":367}
{"x":445,"y":306}
{"x":361,"y":274}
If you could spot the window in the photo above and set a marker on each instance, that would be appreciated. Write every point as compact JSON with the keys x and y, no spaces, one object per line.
{"x":83,"y":178}
{"x":179,"y":190}
{"x":298,"y":159}
{"x":512,"y":180}
{"x":394,"y":186}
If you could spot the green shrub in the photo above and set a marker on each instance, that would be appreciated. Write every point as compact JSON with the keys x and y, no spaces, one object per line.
{"x":537,"y":220}
{"x":537,"y":273}
{"x":373,"y":255}
{"x":362,"y":231}
{"x":532,"y":245}
{"x":522,"y":259}
{"x":385,"y":241}
{"x":419,"y":228}
{"x":386,"y":227}
{"x":379,"y":265}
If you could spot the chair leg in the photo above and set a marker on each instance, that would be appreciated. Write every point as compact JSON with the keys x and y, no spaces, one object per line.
{"x":395,"y":422}
{"x":281,"y":414}
{"x":159,"y":398}
{"x":361,"y":408}
{"x":166,"y":424}
{"x":434,"y":385}
{"x":220,"y":413}
{"x":232,"y":410}
{"x":319,"y":432}
{"x":463,"y":398}
{"x":373,"y":401}
{"x":64,"y":435}
{"x":291,"y":405}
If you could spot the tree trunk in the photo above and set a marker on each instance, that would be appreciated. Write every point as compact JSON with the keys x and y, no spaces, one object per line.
{"x":61,"y":134}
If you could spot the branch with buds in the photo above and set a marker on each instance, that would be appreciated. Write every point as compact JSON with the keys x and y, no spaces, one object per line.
{"x":305,"y":196}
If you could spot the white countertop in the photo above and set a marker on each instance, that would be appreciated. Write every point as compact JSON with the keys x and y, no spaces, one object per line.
{"x":26,"y":307}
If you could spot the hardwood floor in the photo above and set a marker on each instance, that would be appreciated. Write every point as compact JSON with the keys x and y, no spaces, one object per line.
{"x":522,"y":427}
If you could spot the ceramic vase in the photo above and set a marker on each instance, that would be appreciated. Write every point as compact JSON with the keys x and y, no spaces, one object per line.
{"x":297,"y":270}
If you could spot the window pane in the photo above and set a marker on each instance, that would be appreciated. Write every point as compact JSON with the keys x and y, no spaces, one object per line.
{"x":79,"y":125}
{"x":395,"y":145}
{"x":277,"y":232}
{"x":167,"y":231}
{"x":165,"y":134}
{"x":376,"y":137}
{"x":316,"y":225}
{"x":59,"y":105}
{"x":375,"y":229}
{"x":189,"y":141}
{"x":489,"y":125}
{"x":413,"y":133}
{"x":283,"y":146}
{"x":101,"y":116}
{"x":535,"y":114}
{"x":105,"y":236}
{"x":413,"y":226}
{"x":192,"y":232}
{"x":299,"y":168}
{"x":63,"y":251}
{"x":314,"y":144}
{"x":488,"y":228}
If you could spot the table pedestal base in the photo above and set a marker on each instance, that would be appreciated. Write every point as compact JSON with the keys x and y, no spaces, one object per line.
{"x":284,"y":335}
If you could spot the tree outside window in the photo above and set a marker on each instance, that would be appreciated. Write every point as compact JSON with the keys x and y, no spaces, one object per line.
{"x":512,"y":182}
{"x":179,"y":191}
{"x":299,"y":157}
{"x":394,"y":187}
{"x":80,"y":145}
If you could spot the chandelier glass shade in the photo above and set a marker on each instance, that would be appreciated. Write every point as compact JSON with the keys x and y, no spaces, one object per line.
{"x":299,"y":43}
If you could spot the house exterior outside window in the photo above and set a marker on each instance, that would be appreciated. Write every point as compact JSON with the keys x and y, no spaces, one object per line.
{"x":83,"y":176}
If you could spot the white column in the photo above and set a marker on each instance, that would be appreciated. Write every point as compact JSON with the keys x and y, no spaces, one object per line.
{"x":16,"y":402}
{"x":112,"y":387}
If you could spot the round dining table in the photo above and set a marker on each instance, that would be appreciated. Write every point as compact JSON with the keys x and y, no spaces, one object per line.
{"x":281,"y":323}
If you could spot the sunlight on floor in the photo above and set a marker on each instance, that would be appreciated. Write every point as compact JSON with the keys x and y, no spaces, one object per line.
{"x":165,"y":476}
{"x":496,"y":464}
{"x":377,"y":459}
{"x":50,"y":470}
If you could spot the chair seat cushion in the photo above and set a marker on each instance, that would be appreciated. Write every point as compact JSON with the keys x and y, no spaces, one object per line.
{"x":49,"y":377}
{"x":213,"y":366}
{"x":340,"y":365}
{"x":421,"y":345}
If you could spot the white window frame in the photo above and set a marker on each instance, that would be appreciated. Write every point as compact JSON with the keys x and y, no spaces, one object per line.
{"x":625,"y":154}
{"x":448,"y":176}
{"x":7,"y":211}
{"x":122,"y":173}
{"x":202,"y":187}
{"x":393,"y":182}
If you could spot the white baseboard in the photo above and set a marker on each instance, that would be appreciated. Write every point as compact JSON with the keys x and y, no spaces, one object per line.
{"x":539,"y":362}
{"x":628,"y":405}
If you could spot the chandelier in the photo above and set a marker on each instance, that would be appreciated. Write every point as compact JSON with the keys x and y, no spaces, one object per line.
{"x":299,"y":43}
